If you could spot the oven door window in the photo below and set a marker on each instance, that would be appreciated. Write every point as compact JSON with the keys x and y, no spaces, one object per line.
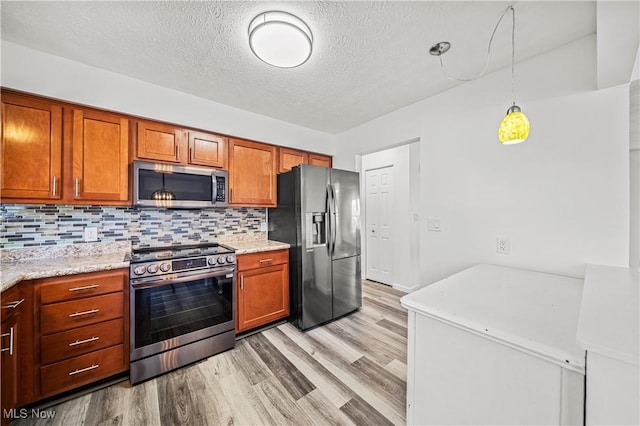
{"x":175,"y":310}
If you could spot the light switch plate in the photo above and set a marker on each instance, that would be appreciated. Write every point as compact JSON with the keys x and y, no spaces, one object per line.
{"x":433,"y":224}
{"x":90,"y":234}
{"x":263,"y":226}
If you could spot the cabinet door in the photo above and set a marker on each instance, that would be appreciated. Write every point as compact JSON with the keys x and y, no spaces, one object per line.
{"x":252,"y":173}
{"x":160,"y":142}
{"x":100,"y":156}
{"x":288,"y":158}
{"x":31,"y":148}
{"x":9,"y":363}
{"x":206,"y":149}
{"x":320,"y":160}
{"x":263,"y":296}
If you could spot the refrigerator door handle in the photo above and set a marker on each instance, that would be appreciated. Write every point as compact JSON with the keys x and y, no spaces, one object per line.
{"x":332,"y":219}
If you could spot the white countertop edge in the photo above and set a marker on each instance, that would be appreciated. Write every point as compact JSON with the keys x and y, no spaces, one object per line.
{"x":610,"y":301}
{"x":608,"y":352}
{"x":537,"y":349}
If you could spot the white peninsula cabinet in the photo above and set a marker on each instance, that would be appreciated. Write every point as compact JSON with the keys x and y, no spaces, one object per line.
{"x":495,"y":345}
{"x":608,"y":329}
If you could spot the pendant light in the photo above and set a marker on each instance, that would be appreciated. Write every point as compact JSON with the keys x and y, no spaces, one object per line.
{"x":280,"y":39}
{"x":515,"y":126}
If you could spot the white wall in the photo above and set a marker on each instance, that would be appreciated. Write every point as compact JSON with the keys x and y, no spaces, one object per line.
{"x":562,"y":196}
{"x":405,"y":242}
{"x":41,"y":73}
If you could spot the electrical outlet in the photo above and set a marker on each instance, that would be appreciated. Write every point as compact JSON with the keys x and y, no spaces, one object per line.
{"x":503,"y":244}
{"x":433,"y":224}
{"x":263,"y":226}
{"x":90,"y":234}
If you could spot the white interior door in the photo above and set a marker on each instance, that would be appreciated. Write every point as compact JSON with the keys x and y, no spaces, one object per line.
{"x":379,"y":221}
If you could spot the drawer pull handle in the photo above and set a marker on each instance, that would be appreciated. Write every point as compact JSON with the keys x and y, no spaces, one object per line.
{"x":77,"y":314}
{"x":86,"y":287}
{"x":80,"y":342}
{"x":266,"y":260}
{"x":13,"y":305}
{"x":10,"y":348}
{"x":82,"y":370}
{"x":242,"y":282}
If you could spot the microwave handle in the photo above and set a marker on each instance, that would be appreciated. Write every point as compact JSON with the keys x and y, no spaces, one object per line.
{"x":214,"y":190}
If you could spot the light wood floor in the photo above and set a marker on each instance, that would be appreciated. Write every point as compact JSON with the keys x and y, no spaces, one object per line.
{"x":351,"y":371}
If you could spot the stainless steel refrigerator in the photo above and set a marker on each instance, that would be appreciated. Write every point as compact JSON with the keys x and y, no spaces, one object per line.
{"x":318,"y":214}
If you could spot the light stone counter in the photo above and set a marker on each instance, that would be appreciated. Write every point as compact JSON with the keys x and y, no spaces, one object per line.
{"x":245,"y":247}
{"x":43,"y":262}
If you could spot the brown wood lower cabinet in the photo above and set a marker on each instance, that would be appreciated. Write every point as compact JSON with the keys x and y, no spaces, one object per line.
{"x":17,"y":349}
{"x":83,"y":330}
{"x":262,"y":288}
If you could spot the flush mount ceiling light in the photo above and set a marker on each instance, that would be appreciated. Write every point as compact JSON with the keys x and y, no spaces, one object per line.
{"x":515,"y":127}
{"x":280,"y":39}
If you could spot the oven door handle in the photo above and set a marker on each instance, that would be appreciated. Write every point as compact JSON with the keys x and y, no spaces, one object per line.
{"x":172,"y":279}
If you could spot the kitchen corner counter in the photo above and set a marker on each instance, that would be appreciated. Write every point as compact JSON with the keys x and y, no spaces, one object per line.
{"x":245,"y":247}
{"x":609,"y":314}
{"x":43,"y":262}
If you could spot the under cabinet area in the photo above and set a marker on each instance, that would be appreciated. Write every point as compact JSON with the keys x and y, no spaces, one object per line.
{"x":262,"y":288}
{"x":82,"y":331}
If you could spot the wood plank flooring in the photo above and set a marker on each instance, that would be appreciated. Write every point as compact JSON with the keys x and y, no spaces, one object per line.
{"x":351,"y":371}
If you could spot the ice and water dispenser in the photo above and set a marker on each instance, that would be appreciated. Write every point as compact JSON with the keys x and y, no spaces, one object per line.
{"x":316,"y":229}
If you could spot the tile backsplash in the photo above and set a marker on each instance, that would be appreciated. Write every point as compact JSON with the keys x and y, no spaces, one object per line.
{"x":27,"y":225}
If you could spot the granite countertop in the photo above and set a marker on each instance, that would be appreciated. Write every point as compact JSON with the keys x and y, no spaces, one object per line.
{"x":245,"y":247}
{"x":609,"y":314}
{"x":43,"y":262}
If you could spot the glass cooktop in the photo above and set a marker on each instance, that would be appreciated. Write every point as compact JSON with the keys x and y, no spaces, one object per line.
{"x":177,"y":252}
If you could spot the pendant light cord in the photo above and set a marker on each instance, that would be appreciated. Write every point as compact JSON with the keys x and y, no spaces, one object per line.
{"x":486,"y":65}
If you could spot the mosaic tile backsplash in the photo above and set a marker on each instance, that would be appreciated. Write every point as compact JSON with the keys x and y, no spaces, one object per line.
{"x":47,"y":225}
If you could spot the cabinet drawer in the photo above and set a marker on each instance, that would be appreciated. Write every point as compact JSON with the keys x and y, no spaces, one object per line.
{"x":261,"y":259}
{"x":81,"y":370}
{"x":79,"y":341}
{"x":78,"y":313}
{"x":81,"y":287}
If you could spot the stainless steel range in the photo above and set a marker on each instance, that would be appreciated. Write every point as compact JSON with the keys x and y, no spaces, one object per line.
{"x":182,"y":307}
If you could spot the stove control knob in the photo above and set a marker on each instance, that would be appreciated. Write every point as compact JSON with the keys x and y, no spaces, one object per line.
{"x":221,"y":260}
{"x":211,"y":261}
{"x":165,"y":267}
{"x":139,"y":270}
{"x":152,"y":269}
{"x":231,"y":259}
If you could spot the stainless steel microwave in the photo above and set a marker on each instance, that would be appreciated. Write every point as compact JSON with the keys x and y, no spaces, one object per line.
{"x":178,"y":187}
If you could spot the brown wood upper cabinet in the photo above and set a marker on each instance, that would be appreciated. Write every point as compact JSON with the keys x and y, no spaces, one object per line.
{"x":252,"y":173}
{"x":100,"y":156}
{"x":206,"y":149}
{"x":55,"y":152}
{"x":320,"y":160}
{"x":163,"y":142}
{"x":31,"y":148}
{"x":288,"y":158}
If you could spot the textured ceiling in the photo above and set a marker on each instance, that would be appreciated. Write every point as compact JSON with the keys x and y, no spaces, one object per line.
{"x":369,"y":58}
